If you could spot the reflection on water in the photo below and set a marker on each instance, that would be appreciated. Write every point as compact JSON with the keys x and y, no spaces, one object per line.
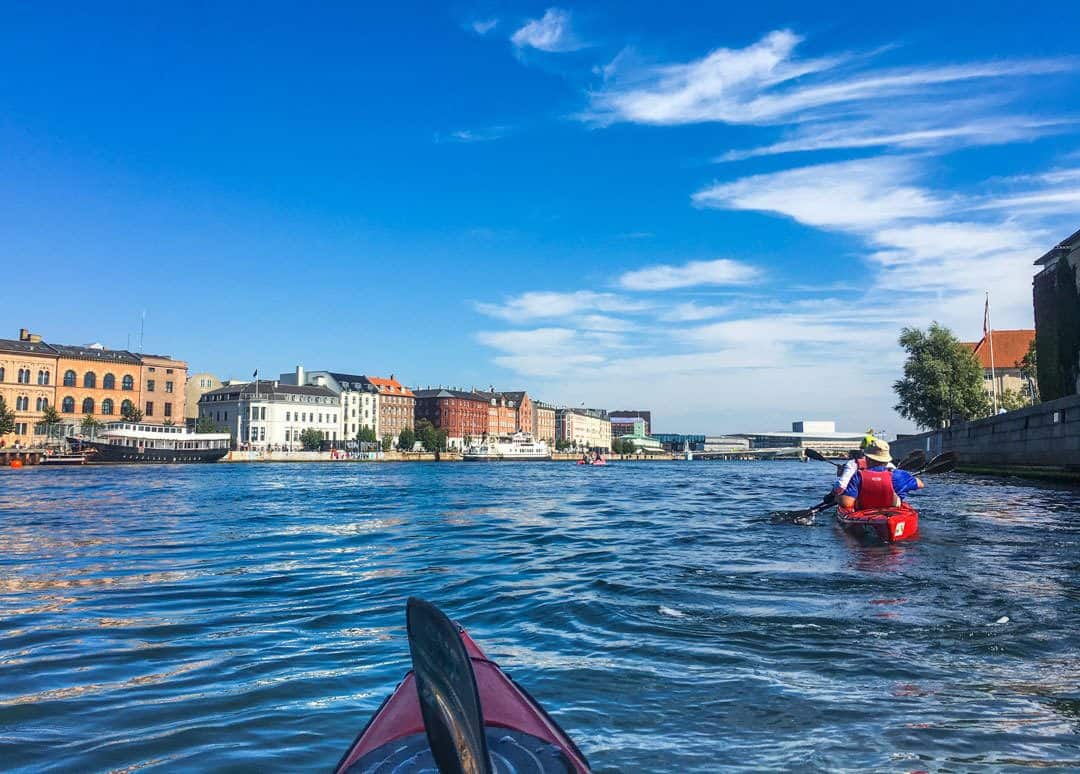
{"x":251,"y":617}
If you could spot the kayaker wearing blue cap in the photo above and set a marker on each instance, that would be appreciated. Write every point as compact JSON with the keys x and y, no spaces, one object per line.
{"x":877,"y":486}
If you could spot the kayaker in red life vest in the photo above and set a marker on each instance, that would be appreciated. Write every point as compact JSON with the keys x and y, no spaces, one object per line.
{"x":877,"y":486}
{"x":855,"y":464}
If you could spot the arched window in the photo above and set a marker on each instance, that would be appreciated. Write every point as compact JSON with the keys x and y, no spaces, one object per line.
{"x":42,"y":404}
{"x":69,"y":378}
{"x":88,"y":406}
{"x":109,"y":382}
{"x":42,"y":377}
{"x":89,"y":380}
{"x":1,"y":373}
{"x":24,"y":376}
{"x":107,"y":406}
{"x":127,"y":383}
{"x":22,"y":403}
{"x":68,"y":405}
{"x":126,"y":407}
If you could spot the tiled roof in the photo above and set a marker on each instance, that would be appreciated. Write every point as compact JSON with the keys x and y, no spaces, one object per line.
{"x":517,"y":396}
{"x":93,"y":353}
{"x":389,"y":386}
{"x":441,"y":392}
{"x":351,"y":381}
{"x":17,"y":345}
{"x":1009,"y":348}
{"x":268,"y":388}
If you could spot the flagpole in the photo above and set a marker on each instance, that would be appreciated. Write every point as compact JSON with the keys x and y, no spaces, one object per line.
{"x":990,"y":334}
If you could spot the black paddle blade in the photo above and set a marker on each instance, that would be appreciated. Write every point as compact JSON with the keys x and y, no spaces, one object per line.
{"x":446,"y":686}
{"x":942,"y":463}
{"x":912,"y":461}
{"x":814,"y":454}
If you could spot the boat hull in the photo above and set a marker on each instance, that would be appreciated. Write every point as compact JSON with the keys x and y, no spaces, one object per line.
{"x":504,"y":458}
{"x":521,"y":735}
{"x":887,"y":525}
{"x":98,"y":452}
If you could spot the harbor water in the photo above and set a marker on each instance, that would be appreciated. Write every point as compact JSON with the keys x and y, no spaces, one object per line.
{"x":251,"y":617}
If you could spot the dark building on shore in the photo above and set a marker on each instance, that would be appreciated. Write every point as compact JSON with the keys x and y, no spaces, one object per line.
{"x":622,"y":422}
{"x":1057,"y":320}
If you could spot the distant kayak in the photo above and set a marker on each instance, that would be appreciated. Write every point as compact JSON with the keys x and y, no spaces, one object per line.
{"x":595,"y":462}
{"x":521,"y":737}
{"x":889,"y":525}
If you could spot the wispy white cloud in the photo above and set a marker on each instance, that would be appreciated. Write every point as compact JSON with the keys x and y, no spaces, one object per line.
{"x":484,"y":26}
{"x":722,"y":271}
{"x":551,"y":33}
{"x":484,"y":134}
{"x":691,"y":311}
{"x":852,"y":194}
{"x":767,"y":83}
{"x":549,"y":305}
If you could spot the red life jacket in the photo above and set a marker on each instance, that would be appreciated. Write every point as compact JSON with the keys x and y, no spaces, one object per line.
{"x":875,"y":490}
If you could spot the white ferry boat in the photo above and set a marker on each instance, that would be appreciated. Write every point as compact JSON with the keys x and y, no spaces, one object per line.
{"x":130,"y":442}
{"x":520,"y":446}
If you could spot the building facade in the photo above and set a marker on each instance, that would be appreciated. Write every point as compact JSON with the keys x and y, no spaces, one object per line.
{"x":197,"y":386}
{"x":622,"y":422}
{"x":359,"y":398}
{"x":397,"y":406}
{"x":162,"y":389}
{"x":1003,"y":371}
{"x":95,"y":382}
{"x":266,"y":415}
{"x":462,"y":414}
{"x":1057,"y":319}
{"x":502,"y":415}
{"x":583,"y":429}
{"x":27,"y":385}
{"x":524,"y":412}
{"x":544,"y":423}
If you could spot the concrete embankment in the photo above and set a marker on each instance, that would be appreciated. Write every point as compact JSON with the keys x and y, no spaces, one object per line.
{"x":1040,"y":441}
{"x":397,"y":456}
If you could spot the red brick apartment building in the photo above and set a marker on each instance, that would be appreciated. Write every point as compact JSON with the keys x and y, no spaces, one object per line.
{"x":460,"y":413}
{"x":397,"y":405}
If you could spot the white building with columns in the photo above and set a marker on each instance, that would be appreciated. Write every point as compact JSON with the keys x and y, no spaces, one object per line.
{"x":270,"y":415}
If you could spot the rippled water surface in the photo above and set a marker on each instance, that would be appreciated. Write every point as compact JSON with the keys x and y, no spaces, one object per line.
{"x":251,"y":617}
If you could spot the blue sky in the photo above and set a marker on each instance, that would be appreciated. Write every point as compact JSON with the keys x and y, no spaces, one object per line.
{"x":723,"y":214}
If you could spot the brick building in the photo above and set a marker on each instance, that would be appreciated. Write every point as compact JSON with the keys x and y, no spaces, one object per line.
{"x":462,"y":414}
{"x":524,"y":414}
{"x":544,"y":422}
{"x":1003,"y":372}
{"x":397,"y":406}
{"x":162,"y":389}
{"x":502,"y":416}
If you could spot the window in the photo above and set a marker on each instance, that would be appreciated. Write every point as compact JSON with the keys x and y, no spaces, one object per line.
{"x":107,"y":406}
{"x":20,"y":428}
{"x":88,"y":406}
{"x":262,"y":413}
{"x":42,"y":404}
{"x":89,"y":380}
{"x":168,"y":409}
{"x":168,"y":386}
{"x":24,"y":376}
{"x":109,"y":382}
{"x":42,"y":377}
{"x":126,"y":407}
{"x":127,"y":383}
{"x":69,"y":378}
{"x":151,"y":369}
{"x":68,"y":405}
{"x":22,"y":403}
{"x":1,"y":373}
{"x":149,"y":385}
{"x":288,"y":417}
{"x":254,"y":413}
{"x":168,"y":370}
{"x":149,"y":408}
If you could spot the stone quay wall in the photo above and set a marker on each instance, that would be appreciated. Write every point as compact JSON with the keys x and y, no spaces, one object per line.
{"x":1043,"y":438}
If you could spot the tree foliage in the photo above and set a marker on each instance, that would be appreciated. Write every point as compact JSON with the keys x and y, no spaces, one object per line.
{"x":89,"y":424}
{"x":406,"y":439}
{"x":562,"y":444}
{"x":1011,"y":400}
{"x":433,"y":438}
{"x":942,"y":382}
{"x":387,"y":443}
{"x":7,"y":418}
{"x":311,"y":439}
{"x":366,"y":434}
{"x":129,"y":413}
{"x":207,"y":425}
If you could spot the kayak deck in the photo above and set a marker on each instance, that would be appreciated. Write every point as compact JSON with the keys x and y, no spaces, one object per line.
{"x":521,"y":736}
{"x":889,"y":525}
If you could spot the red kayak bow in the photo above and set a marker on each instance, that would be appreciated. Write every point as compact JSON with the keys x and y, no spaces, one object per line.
{"x":889,"y":525}
{"x":520,"y":735}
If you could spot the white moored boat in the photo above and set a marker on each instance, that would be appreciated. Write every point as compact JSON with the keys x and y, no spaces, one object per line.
{"x":520,"y":447}
{"x":130,"y":442}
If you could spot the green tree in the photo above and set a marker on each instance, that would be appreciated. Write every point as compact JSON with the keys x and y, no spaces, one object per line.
{"x":7,"y":419}
{"x":168,"y":423}
{"x":1011,"y":400}
{"x":311,"y":439}
{"x":942,"y":379}
{"x":406,"y":439}
{"x":466,"y":441}
{"x":129,"y":413}
{"x":206,"y":425}
{"x":50,"y":418}
{"x":367,"y":435}
{"x":1029,"y":369}
{"x":562,"y":444}
{"x":89,"y":424}
{"x":387,"y":443}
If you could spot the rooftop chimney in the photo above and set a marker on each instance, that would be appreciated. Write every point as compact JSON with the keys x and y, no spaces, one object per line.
{"x":24,"y":335}
{"x":299,"y":376}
